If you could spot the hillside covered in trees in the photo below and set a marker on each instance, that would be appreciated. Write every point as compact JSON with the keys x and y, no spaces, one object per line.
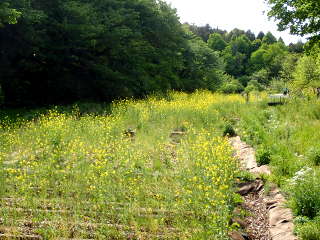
{"x":65,"y":51}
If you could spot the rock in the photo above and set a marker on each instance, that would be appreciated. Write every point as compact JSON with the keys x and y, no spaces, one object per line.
{"x":129,"y":133}
{"x":264,"y":169}
{"x":283,"y":231}
{"x":270,"y":219}
{"x":176,"y":136}
{"x":236,"y":236}
{"x":248,"y":187}
{"x":278,"y":215}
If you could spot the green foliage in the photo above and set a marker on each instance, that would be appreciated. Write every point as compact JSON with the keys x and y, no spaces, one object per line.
{"x":263,"y":156}
{"x":74,"y":50}
{"x":255,"y":45}
{"x":308,"y":229}
{"x":253,"y":86}
{"x":250,"y":35}
{"x":216,"y":42}
{"x":301,"y":17}
{"x":261,"y":77}
{"x":314,"y":156}
{"x":260,"y":35}
{"x":307,"y":74}
{"x":75,"y":170}
{"x":305,"y":193}
{"x":269,"y":38}
{"x":229,"y":131}
{"x":270,"y":57}
{"x":233,"y":34}
{"x":99,"y":49}
{"x":205,"y":31}
{"x":296,"y":47}
{"x":236,"y":55}
{"x":231,"y":85}
{"x":288,"y":67}
{"x":8,"y":15}
{"x":203,"y":67}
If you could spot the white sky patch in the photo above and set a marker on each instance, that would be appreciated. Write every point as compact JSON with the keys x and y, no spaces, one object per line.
{"x":230,"y":14}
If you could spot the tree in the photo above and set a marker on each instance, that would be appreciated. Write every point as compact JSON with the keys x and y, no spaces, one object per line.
{"x":203,"y":68}
{"x":257,"y":60}
{"x":262,"y":77}
{"x":255,"y":45}
{"x":250,"y":35}
{"x":202,"y":31}
{"x":269,"y":38}
{"x":231,"y":85}
{"x":63,"y":51}
{"x":300,"y":17}
{"x":8,"y":15}
{"x":269,"y":57}
{"x":296,"y":47}
{"x":307,"y":74}
{"x":237,"y":55}
{"x":289,"y":64}
{"x":233,"y":34}
{"x":280,"y":40}
{"x":216,"y":42}
{"x":260,"y":35}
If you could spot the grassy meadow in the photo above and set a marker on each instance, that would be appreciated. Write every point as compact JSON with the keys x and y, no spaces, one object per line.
{"x":157,"y":168}
{"x":146,"y":169}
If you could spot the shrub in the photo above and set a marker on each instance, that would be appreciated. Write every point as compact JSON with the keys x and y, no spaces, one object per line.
{"x":308,"y":230}
{"x":305,"y":192}
{"x":314,"y":156}
{"x":231,"y":85}
{"x":229,"y":131}
{"x":263,"y":156}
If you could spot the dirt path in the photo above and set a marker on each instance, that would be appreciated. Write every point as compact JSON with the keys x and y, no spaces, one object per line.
{"x":269,"y":218}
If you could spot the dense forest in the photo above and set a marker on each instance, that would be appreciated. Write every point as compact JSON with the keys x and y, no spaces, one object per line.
{"x":64,"y":51}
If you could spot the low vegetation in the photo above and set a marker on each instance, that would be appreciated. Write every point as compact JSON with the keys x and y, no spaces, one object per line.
{"x":153,"y":168}
{"x":148,"y":169}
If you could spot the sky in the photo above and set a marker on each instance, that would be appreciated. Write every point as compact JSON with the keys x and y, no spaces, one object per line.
{"x":230,"y":14}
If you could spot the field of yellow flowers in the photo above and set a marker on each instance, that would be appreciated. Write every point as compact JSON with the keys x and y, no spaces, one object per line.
{"x":148,"y":169}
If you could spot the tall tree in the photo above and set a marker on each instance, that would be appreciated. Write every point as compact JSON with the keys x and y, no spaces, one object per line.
{"x":8,"y":15}
{"x":250,"y":35}
{"x":260,"y":35}
{"x":307,"y":74}
{"x":269,"y":38}
{"x":236,"y":55}
{"x":233,"y":34}
{"x":300,"y":17}
{"x":203,"y":67}
{"x":69,"y":50}
{"x":296,"y":47}
{"x":216,"y":42}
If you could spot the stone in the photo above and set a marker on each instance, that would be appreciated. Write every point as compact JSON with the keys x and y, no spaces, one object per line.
{"x":236,"y":236}
{"x":252,"y":186}
{"x":264,"y":169}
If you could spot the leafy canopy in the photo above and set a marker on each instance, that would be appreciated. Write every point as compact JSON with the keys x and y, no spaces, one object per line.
{"x":301,"y":17}
{"x":8,"y":15}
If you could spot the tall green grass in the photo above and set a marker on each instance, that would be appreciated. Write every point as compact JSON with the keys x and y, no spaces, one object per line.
{"x":80,"y":174}
{"x":287,"y":138}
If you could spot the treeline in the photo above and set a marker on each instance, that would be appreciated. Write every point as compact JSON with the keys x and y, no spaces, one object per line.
{"x":60,"y":51}
{"x":253,"y":61}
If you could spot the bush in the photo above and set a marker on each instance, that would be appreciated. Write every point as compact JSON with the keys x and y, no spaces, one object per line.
{"x":305,"y":192}
{"x":308,"y":230}
{"x":263,"y":156}
{"x":231,"y":85}
{"x":253,"y":85}
{"x":229,"y":131}
{"x":314,"y":156}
